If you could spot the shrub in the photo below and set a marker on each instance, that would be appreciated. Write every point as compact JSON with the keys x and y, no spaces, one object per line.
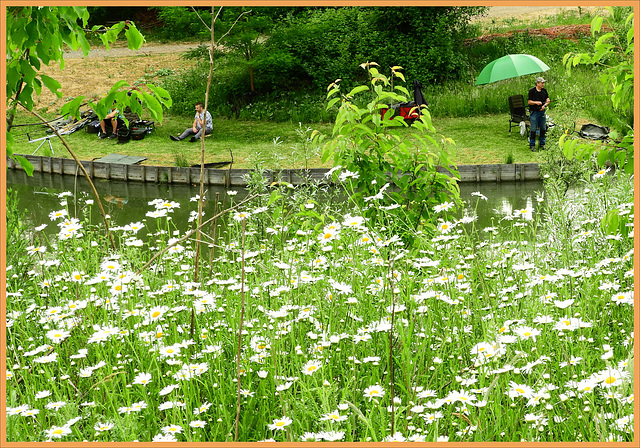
{"x":372,"y":156}
{"x":181,"y":23}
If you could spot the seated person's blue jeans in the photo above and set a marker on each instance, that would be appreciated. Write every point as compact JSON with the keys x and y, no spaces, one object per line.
{"x":538,"y":122}
{"x":189,"y":132}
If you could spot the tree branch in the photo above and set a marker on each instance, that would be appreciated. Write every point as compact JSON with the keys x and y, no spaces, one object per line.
{"x":234,"y":24}
{"x":203,"y":22}
{"x":86,"y":175}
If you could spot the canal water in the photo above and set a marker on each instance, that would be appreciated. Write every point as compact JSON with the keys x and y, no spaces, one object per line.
{"x":127,"y":202}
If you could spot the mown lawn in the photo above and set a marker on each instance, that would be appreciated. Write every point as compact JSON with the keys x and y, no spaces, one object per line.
{"x":479,"y":140}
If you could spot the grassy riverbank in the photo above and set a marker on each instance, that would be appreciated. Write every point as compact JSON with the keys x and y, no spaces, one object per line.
{"x":481,"y":139}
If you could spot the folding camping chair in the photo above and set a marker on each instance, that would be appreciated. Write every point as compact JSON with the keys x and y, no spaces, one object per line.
{"x":518,"y":113}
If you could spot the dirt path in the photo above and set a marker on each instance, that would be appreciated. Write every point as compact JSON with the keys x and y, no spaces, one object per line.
{"x":121,"y":50}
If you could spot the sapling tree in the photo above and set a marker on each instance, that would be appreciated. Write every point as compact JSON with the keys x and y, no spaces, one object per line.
{"x":372,"y":149}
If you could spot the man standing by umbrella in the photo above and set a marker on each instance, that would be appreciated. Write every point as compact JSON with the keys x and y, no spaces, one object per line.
{"x":538,"y":102}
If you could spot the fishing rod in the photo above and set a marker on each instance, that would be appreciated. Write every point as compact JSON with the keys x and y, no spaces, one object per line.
{"x":44,"y":122}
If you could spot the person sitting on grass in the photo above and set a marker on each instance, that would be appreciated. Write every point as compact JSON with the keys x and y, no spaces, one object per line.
{"x":202,"y":121}
{"x":115,"y":119}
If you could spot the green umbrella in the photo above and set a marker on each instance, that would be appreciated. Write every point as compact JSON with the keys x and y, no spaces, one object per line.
{"x":510,"y":66}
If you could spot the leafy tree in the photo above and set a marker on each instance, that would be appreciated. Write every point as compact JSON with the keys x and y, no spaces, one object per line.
{"x":246,"y":35}
{"x":614,"y":54}
{"x":323,"y":43}
{"x":38,"y":35}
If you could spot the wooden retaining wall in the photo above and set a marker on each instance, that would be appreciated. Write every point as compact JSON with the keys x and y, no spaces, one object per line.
{"x":235,"y":177}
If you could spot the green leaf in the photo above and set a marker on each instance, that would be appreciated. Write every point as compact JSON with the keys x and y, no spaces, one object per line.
{"x":100,"y":108}
{"x":603,"y":156}
{"x":84,"y":44}
{"x":135,"y":39}
{"x":153,"y":105}
{"x":333,"y":91}
{"x":72,"y":107}
{"x":569,"y":149}
{"x":576,"y":60}
{"x":9,"y":147}
{"x":117,"y":86}
{"x":25,"y":164}
{"x":52,"y":85}
{"x":403,"y":90}
{"x":275,"y":195}
{"x":332,"y":102}
{"x":596,"y":24}
{"x":326,"y":154}
{"x":357,"y":89}
{"x":602,"y":39}
{"x":82,"y":13}
{"x":163,"y":96}
{"x":629,"y":167}
{"x":610,"y":222}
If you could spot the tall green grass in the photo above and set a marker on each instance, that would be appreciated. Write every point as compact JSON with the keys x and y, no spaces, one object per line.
{"x":522,"y":334}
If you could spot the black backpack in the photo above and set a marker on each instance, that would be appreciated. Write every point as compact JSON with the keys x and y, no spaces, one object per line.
{"x":124,"y":135}
{"x":93,"y":127}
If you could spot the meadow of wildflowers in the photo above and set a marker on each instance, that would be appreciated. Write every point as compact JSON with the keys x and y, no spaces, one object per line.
{"x":522,"y":331}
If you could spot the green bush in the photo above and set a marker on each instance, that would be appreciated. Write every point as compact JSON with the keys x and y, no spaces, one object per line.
{"x":179,"y":23}
{"x":186,"y":88}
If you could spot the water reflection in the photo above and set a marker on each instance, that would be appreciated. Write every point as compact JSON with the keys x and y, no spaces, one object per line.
{"x":128,"y":202}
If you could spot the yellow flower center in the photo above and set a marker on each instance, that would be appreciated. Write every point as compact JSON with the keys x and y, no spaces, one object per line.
{"x":611,"y":380}
{"x":520,"y":391}
{"x":155,"y":314}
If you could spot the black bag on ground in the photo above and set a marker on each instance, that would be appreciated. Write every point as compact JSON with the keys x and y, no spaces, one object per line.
{"x":93,"y":127}
{"x":124,"y":135}
{"x":141,"y":128}
{"x":138,"y":134}
{"x":594,"y":132}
